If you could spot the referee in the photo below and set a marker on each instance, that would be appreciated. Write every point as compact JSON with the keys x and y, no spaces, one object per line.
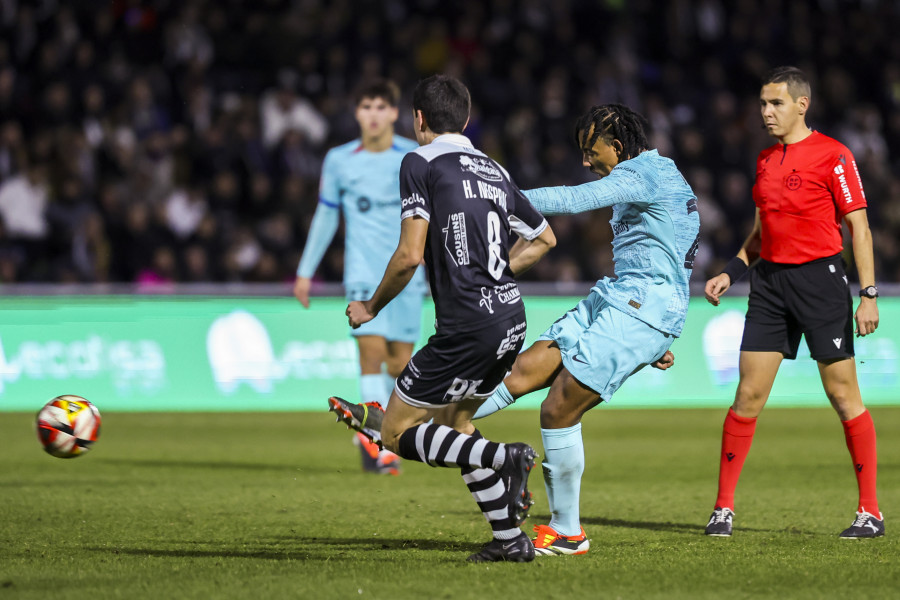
{"x":806,"y":184}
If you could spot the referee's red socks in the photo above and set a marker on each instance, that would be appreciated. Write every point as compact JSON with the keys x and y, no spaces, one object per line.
{"x":860,"y":434}
{"x":737,"y":435}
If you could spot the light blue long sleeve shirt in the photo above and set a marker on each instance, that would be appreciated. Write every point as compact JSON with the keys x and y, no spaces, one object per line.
{"x":656,"y":229}
{"x":365,"y":187}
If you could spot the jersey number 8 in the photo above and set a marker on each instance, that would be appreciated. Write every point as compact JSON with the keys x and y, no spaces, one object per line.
{"x":496,"y":264}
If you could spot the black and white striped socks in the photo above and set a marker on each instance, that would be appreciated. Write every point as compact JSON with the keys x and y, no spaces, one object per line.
{"x":478,"y":460}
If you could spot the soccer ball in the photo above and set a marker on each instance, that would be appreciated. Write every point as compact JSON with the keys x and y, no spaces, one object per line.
{"x":68,"y":426}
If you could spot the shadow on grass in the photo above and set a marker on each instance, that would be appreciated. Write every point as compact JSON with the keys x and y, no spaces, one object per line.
{"x":691,"y":528}
{"x":301,"y":548}
{"x":220,"y":465}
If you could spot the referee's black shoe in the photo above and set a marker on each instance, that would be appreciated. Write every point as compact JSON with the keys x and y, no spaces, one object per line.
{"x":865,"y":526}
{"x":720,"y":522}
{"x":514,"y":474}
{"x":518,"y":549}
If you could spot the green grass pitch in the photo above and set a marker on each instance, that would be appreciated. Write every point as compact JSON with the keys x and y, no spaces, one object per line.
{"x":273,"y":505}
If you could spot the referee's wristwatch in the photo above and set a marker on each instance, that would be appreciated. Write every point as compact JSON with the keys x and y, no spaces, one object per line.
{"x":869,"y":292}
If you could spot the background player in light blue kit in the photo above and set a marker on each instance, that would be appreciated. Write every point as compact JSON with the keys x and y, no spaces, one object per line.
{"x":361,"y":179}
{"x":626,"y":322}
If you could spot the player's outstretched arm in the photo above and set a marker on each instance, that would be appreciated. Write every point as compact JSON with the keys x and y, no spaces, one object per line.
{"x":524,"y":253}
{"x":400,"y":269}
{"x":864,"y":257}
{"x":737,"y":266}
{"x":301,"y":290}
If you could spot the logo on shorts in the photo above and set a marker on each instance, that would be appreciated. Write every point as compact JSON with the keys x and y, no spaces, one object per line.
{"x":837,"y":342}
{"x":406,"y":381}
{"x":577,"y":358}
{"x":461,"y":389}
{"x":486,"y":300}
{"x":482,"y":167}
{"x":793,"y":182}
{"x":514,"y":335}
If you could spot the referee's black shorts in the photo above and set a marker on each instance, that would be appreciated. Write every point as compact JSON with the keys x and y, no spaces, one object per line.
{"x":811,"y":299}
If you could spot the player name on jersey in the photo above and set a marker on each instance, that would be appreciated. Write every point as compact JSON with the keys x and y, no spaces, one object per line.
{"x":485,"y":191}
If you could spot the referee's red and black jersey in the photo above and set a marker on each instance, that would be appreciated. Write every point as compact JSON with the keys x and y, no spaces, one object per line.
{"x":802,"y":191}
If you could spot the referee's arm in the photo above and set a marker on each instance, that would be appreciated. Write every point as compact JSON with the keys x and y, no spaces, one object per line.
{"x":747,"y":255}
{"x":864,"y":257}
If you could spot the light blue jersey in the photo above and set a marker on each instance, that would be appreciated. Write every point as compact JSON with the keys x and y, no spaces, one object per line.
{"x":365,"y":187}
{"x":656,"y":229}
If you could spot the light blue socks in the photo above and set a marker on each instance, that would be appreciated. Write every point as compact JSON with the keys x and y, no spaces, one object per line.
{"x":388,"y":388}
{"x":371,"y":389}
{"x":500,"y":399}
{"x":563,"y":466}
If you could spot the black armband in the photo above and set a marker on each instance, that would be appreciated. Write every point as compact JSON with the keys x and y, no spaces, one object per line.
{"x":735,"y":269}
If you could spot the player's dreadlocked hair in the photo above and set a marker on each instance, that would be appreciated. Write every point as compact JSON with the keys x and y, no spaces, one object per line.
{"x":613,"y":122}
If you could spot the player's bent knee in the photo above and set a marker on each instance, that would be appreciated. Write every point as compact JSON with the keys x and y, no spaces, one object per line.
{"x":557,"y":415}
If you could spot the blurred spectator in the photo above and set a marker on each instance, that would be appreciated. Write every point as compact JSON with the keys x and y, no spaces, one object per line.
{"x":194,"y":131}
{"x":281,"y":110}
{"x":23,"y":203}
{"x":185,"y":210}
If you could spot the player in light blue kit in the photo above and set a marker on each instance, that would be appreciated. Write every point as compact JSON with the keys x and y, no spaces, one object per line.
{"x":626,"y":322}
{"x":361,"y":179}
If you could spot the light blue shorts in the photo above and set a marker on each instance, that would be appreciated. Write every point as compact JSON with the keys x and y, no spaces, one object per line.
{"x":400,"y":320}
{"x":602,"y":347}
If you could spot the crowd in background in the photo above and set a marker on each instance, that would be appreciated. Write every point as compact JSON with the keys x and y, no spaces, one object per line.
{"x":181,"y":141}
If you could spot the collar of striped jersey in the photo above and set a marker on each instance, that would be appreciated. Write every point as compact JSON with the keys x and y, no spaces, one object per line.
{"x":457,"y":139}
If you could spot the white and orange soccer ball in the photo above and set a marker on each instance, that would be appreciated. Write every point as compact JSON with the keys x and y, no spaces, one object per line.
{"x":68,"y":426}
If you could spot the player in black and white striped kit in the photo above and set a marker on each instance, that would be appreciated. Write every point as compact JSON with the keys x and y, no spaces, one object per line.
{"x":458,"y":211}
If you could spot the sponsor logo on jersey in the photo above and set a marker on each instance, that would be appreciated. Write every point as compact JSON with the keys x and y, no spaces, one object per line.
{"x":842,"y":178}
{"x":858,"y":178}
{"x":508,"y":293}
{"x":619,"y":228}
{"x":415,"y":199}
{"x":486,"y":300}
{"x":455,"y":239}
{"x":482,"y":167}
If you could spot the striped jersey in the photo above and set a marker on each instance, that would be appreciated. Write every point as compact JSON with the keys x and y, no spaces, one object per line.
{"x":472,"y":208}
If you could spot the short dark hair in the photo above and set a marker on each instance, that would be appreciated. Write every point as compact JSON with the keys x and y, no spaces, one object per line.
{"x":445,"y":103}
{"x":613,"y":122}
{"x":797,"y":83}
{"x":385,"y":89}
